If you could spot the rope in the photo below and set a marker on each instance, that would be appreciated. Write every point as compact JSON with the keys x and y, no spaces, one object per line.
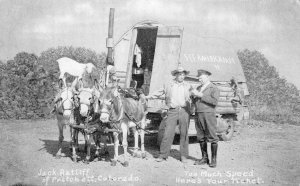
{"x":138,"y":126}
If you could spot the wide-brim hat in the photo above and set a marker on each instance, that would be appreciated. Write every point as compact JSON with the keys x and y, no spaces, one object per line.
{"x":180,"y":70}
{"x":201,"y":72}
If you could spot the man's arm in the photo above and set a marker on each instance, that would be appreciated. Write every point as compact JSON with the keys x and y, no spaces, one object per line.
{"x":212,"y":98}
{"x":157,"y":94}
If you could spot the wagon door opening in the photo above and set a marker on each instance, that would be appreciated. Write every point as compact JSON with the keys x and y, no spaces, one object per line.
{"x":143,"y":56}
{"x":166,"y":59}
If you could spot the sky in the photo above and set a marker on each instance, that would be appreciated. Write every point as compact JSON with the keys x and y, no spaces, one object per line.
{"x":269,"y":26}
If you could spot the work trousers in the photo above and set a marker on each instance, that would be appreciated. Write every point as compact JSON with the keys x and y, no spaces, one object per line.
{"x":206,"y":123}
{"x":176,"y":115}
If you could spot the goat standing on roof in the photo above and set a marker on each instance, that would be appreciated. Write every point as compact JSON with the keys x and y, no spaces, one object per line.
{"x":72,"y":67}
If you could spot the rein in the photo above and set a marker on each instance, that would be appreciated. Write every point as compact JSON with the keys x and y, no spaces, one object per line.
{"x":114,"y":123}
{"x":137,"y":123}
{"x":136,"y":98}
{"x":89,"y":126}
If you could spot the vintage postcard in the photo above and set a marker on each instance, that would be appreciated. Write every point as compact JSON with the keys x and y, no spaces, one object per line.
{"x":149,"y":92}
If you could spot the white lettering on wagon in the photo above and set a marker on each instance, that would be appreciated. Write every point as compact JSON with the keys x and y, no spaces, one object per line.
{"x":208,"y":59}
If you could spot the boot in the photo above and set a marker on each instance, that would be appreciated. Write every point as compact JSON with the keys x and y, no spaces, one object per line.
{"x":204,"y":160}
{"x":214,"y":149}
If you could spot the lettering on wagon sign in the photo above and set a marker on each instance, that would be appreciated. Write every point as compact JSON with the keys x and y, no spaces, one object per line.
{"x":214,"y":60}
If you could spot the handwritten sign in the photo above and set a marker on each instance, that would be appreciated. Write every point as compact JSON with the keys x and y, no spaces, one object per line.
{"x":218,"y":177}
{"x":82,"y":177}
{"x":208,"y":59}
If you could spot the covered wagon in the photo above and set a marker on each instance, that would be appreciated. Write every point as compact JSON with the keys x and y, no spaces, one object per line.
{"x":145,"y":55}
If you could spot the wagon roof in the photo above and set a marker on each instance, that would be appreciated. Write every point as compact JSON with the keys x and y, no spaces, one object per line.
{"x":216,"y":55}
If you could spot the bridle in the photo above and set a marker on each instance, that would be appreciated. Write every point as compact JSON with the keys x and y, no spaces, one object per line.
{"x":115,"y":123}
{"x":108,"y":104}
{"x":92,"y":106}
{"x":66,"y":99}
{"x":93,"y":97}
{"x":109,"y":109}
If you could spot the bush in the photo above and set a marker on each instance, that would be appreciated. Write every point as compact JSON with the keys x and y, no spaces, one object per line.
{"x":24,"y":86}
{"x":271,"y":98}
{"x":82,"y":55}
{"x":29,"y":83}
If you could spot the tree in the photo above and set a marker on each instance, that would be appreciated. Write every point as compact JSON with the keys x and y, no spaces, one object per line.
{"x":29,"y":83}
{"x":48,"y":58}
{"x":24,"y":81}
{"x":82,"y":55}
{"x":271,"y":98}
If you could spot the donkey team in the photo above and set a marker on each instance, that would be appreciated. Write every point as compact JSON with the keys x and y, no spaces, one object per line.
{"x":97,"y":112}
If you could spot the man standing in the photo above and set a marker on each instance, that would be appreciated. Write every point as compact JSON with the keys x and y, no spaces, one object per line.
{"x":177,"y":97}
{"x":206,"y":99}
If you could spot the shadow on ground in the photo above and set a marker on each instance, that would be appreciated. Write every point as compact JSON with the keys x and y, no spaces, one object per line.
{"x":22,"y":184}
{"x":151,"y":147}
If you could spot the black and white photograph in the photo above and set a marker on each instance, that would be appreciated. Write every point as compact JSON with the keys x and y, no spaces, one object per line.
{"x":149,"y":92}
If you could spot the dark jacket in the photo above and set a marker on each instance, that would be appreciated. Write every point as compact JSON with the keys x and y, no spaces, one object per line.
{"x":209,"y":100}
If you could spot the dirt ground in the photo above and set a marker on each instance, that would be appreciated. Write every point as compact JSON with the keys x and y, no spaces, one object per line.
{"x":260,"y":153}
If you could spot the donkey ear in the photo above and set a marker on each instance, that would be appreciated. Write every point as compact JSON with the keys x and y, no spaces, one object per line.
{"x":116,"y":93}
{"x":60,"y":83}
{"x":74,"y":83}
{"x":80,"y":84}
{"x":100,"y":88}
{"x":96,"y":84}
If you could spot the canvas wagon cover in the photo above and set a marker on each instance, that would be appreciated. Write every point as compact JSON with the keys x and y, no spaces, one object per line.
{"x":216,"y":55}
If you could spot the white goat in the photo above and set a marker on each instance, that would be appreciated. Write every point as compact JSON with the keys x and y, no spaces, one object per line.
{"x":72,"y":67}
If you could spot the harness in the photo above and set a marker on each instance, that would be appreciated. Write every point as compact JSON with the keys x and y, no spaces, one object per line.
{"x":116,"y":124}
{"x":138,"y":124}
{"x":129,"y":93}
{"x":63,"y":101}
{"x":132,"y":93}
{"x":89,"y":127}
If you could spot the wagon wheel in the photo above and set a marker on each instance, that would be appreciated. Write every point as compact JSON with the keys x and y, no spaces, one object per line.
{"x":227,"y":135}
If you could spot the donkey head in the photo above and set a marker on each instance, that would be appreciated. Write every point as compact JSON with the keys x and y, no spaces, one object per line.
{"x":110,"y":105}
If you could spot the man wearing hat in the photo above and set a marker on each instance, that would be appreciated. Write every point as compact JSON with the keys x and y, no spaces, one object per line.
{"x":177,"y":98}
{"x":206,"y":98}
